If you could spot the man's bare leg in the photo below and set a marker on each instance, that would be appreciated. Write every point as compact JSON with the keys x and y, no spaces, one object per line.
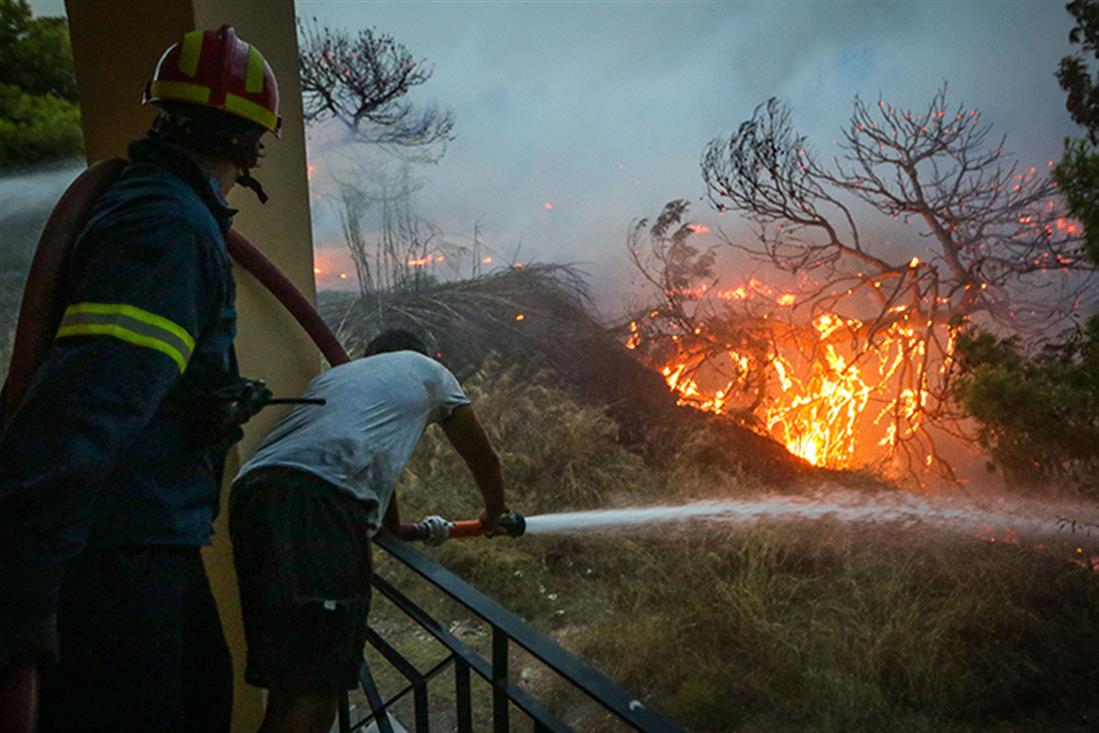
{"x":293,"y":711}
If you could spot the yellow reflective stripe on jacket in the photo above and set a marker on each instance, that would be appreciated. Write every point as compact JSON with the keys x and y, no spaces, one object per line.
{"x":130,"y":324}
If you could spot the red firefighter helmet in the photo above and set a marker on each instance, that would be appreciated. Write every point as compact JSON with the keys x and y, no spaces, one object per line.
{"x":216,"y":69}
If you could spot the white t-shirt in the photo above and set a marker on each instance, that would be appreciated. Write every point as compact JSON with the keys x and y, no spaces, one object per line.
{"x":375,"y":411}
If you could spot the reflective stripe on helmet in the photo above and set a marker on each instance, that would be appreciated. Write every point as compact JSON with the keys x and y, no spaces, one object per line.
{"x":179,"y":91}
{"x":191,"y":52}
{"x":130,"y":324}
{"x":251,"y":111}
{"x":253,"y":82}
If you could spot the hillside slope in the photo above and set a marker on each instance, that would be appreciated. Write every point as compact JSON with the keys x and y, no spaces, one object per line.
{"x":536,"y":319}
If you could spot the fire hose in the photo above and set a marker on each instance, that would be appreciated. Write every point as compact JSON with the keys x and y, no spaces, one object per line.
{"x":514,"y":524}
{"x":40,"y":314}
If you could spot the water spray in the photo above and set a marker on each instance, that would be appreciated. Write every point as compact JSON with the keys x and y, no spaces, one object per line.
{"x":993,"y":520}
{"x":1039,"y":521}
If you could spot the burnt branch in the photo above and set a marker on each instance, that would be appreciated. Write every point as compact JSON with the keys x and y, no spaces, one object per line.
{"x":977,"y":236}
{"x":363,"y":81}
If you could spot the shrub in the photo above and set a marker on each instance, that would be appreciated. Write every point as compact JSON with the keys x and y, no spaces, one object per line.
{"x":1038,"y":416}
{"x":35,"y":128}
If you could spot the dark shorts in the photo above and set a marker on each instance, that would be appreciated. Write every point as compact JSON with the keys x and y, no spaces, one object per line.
{"x":302,"y":555}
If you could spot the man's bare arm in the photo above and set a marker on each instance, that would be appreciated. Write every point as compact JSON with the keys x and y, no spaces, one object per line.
{"x":467,"y":435}
{"x":392,"y":519}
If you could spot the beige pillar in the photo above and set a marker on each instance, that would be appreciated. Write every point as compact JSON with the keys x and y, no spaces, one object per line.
{"x":116,"y":44}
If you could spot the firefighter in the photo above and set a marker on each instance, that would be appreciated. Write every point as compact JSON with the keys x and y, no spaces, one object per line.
{"x":110,"y":468}
{"x":303,"y":510}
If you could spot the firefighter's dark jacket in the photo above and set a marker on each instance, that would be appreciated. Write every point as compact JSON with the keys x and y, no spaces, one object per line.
{"x":104,"y":450}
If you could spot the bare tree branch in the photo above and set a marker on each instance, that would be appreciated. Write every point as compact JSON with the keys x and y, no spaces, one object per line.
{"x":362,"y":81}
{"x":988,"y":240}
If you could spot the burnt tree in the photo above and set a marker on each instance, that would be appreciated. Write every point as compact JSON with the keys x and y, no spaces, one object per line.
{"x":363,"y":81}
{"x":977,"y":237}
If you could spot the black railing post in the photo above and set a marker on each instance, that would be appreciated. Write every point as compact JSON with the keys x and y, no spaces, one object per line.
{"x":345,"y":712}
{"x":374,"y":697}
{"x":507,"y":628}
{"x":499,"y":680}
{"x":463,"y":696}
{"x":419,"y":697}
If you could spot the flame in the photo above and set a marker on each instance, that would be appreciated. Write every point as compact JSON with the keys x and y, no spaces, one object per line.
{"x":821,"y":409}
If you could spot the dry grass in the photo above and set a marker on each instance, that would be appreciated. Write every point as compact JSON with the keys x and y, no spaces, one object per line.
{"x":815,"y":627}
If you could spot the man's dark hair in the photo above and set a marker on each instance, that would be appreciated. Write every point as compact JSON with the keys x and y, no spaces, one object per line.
{"x":395,"y":339}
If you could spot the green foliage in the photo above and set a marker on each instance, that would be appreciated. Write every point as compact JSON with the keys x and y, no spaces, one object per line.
{"x":1074,"y":74}
{"x":1078,"y":176}
{"x":36,"y":128}
{"x":39,"y":117}
{"x":1078,"y":172}
{"x":1039,"y":416}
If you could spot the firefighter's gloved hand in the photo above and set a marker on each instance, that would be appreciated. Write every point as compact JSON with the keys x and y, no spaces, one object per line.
{"x":226,"y":409}
{"x":438,"y":530}
{"x":240,"y":401}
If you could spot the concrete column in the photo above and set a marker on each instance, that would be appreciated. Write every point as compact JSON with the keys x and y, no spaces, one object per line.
{"x":116,"y":44}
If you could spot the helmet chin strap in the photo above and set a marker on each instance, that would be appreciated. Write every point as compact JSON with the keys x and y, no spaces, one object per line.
{"x":245,"y":179}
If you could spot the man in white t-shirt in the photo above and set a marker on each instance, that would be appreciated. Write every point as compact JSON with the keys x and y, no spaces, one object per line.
{"x":304,"y":508}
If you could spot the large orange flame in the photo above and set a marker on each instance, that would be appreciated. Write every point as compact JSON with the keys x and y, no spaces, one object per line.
{"x":834,"y":409}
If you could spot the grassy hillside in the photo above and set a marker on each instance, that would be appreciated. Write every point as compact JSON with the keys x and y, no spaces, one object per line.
{"x":818,"y":626}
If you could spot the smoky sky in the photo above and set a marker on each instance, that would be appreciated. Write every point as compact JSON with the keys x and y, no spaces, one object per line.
{"x":602,"y":110}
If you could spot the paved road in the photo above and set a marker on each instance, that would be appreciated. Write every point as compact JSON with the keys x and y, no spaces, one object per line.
{"x":26,"y":200}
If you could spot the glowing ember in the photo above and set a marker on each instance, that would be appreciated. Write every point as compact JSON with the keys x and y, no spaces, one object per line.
{"x":424,"y":261}
{"x":635,"y":338}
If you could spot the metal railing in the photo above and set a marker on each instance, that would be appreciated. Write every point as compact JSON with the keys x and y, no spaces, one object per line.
{"x":507,"y":628}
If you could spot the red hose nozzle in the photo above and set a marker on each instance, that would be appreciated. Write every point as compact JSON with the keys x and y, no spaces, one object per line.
{"x":514,"y":524}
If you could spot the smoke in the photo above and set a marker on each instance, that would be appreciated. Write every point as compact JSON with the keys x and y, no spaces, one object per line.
{"x":603,"y":110}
